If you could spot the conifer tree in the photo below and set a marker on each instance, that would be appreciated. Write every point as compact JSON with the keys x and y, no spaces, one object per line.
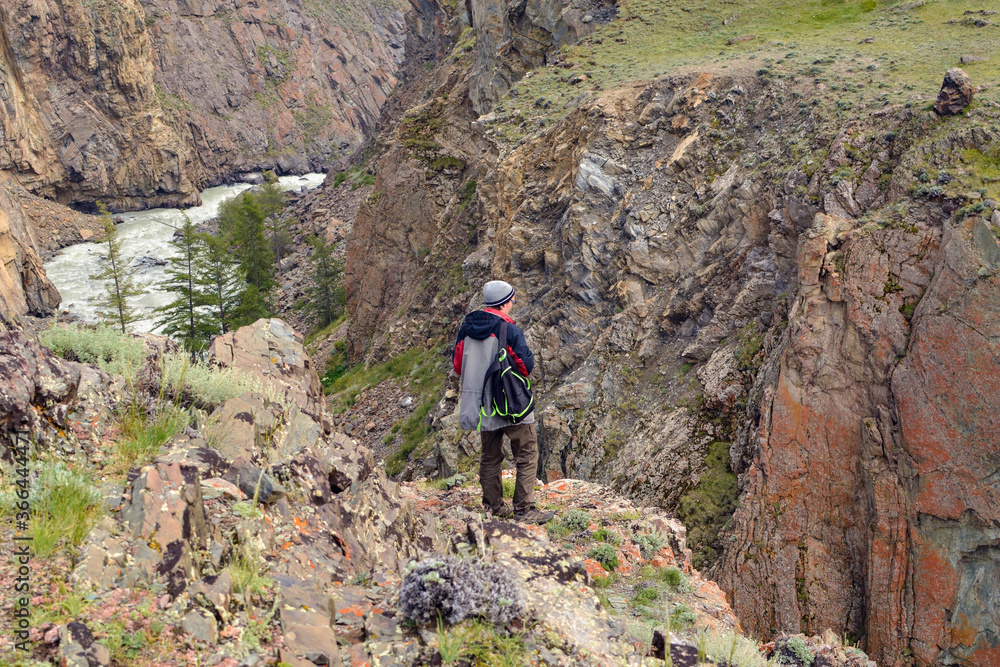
{"x":326,"y":296}
{"x":185,"y":316}
{"x":251,"y":246}
{"x":220,"y":281}
{"x":271,"y":199}
{"x":252,"y":306}
{"x":119,"y":279}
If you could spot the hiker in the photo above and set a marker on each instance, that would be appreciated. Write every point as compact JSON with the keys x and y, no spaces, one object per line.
{"x":475,"y":350}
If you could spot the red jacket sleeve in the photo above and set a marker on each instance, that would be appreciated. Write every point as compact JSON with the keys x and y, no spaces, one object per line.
{"x":457,"y":360}
{"x":521,"y":368}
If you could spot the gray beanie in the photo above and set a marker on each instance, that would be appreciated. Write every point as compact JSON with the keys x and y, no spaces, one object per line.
{"x":497,"y":293}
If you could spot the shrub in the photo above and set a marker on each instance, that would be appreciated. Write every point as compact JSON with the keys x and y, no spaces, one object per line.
{"x":645,"y":595}
{"x":606,"y":555}
{"x":649,"y":543}
{"x":454,"y":589}
{"x":605,"y":535}
{"x":682,"y":615}
{"x":675,"y":578}
{"x":732,"y":649}
{"x":575,"y":520}
{"x":64,"y":504}
{"x":209,"y":386}
{"x":794,"y":651}
{"x":101,"y":346}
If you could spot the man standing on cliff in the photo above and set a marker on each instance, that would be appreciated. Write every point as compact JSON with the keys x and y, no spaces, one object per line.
{"x":475,"y":350}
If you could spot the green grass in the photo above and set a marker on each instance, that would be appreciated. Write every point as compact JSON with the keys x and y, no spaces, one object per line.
{"x":248,"y":569}
{"x":910,"y":50}
{"x":357,"y":176}
{"x":208,"y":386}
{"x":65,"y":505}
{"x":508,"y":487}
{"x":419,"y":371}
{"x":101,"y":346}
{"x":608,"y":536}
{"x":479,"y":643}
{"x":142,"y":435}
{"x":984,"y":171}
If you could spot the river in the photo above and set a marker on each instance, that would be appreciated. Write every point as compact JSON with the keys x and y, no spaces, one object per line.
{"x":146,"y":237}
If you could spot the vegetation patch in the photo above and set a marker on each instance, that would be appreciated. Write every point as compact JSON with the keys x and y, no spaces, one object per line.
{"x":606,"y":555}
{"x":100,"y":346}
{"x":65,"y":505}
{"x":419,"y":371}
{"x":707,"y":507}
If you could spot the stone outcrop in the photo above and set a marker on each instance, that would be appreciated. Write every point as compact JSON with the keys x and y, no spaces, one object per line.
{"x":24,"y":287}
{"x":514,"y":37}
{"x":35,"y":388}
{"x":956,"y":92}
{"x":272,"y":352}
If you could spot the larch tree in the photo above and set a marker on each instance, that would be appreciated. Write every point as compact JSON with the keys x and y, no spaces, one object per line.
{"x":120,"y":285}
{"x":185,"y":317}
{"x":220,"y":281}
{"x":326,"y":296}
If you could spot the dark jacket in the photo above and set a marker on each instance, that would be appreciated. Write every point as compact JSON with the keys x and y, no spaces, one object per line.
{"x":482,"y":324}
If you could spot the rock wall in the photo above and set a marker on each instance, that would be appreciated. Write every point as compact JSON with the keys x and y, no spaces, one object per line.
{"x":24,"y":287}
{"x":288,"y":85}
{"x":688,"y":280}
{"x":870,"y":504}
{"x":81,"y":120}
{"x":140,"y":104}
{"x":516,"y":36}
{"x":428,"y":172}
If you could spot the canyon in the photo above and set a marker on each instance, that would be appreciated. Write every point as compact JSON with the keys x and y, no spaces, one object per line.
{"x":760,"y":272}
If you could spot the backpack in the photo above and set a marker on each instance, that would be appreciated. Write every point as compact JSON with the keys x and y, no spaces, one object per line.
{"x":510,"y":391}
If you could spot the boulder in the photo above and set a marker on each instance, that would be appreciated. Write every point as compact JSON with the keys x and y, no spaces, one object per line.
{"x":201,"y":626}
{"x":272,"y":352}
{"x":252,"y":424}
{"x":956,"y":93}
{"x":306,"y":616}
{"x":33,"y":384}
{"x":77,"y":647}
{"x":253,"y":482}
{"x":166,"y":511}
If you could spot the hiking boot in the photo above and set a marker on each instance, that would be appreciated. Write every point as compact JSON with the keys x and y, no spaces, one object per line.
{"x":505,"y":511}
{"x":534,"y":516}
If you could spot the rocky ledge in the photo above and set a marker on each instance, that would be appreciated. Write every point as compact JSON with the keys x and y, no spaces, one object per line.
{"x":254,"y":536}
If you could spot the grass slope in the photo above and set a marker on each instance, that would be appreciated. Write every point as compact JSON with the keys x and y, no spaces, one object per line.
{"x":885,"y":51}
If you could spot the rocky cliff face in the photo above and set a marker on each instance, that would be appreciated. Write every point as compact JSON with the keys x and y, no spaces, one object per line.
{"x":428,"y":173}
{"x":139,"y":104}
{"x":706,"y":266}
{"x":81,"y":119}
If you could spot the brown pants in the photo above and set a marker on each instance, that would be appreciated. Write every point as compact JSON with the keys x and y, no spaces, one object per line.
{"x":524,"y":446}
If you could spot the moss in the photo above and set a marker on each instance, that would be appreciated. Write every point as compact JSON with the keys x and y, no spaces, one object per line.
{"x":447,"y":162}
{"x":707,"y":507}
